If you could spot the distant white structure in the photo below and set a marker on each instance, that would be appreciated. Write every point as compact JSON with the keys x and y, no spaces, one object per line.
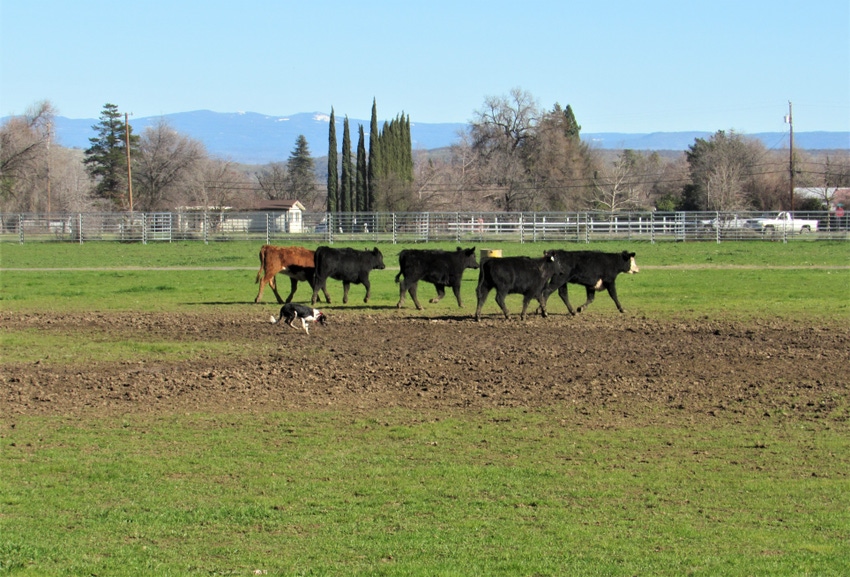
{"x":291,"y":212}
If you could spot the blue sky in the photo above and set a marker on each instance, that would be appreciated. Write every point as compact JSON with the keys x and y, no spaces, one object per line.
{"x":624,"y":66}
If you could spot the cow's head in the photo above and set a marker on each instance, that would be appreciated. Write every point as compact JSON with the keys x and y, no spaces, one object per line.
{"x":468,"y":257}
{"x":630,"y":258}
{"x":378,"y":259}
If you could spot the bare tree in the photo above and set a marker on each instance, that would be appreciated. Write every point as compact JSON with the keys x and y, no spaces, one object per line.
{"x":220,"y":184}
{"x":272,"y":180}
{"x":464,"y":181}
{"x":724,"y":171}
{"x":164,"y":165}
{"x":629,"y":182}
{"x":71,"y":184}
{"x":24,"y":158}
{"x":501,"y":133}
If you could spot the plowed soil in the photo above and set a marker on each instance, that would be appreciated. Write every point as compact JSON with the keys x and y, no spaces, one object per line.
{"x":623,"y":367}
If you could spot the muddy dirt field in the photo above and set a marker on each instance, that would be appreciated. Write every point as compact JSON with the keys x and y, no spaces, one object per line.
{"x":621,"y":367}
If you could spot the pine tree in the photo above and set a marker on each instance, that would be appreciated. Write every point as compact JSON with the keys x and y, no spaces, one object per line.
{"x":360,"y":188}
{"x":372,"y":170}
{"x":346,"y":181}
{"x":333,"y":174}
{"x":571,"y":127}
{"x":106,"y":158}
{"x":300,"y":177}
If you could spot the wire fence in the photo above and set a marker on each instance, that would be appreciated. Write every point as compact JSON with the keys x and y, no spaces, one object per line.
{"x":422,"y":227}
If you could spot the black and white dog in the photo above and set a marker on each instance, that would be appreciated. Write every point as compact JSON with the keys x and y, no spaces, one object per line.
{"x":291,"y":311}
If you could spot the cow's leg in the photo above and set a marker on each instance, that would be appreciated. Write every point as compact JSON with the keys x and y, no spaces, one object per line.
{"x":320,"y":284}
{"x":542,"y":299}
{"x":345,"y":286}
{"x":273,"y":286}
{"x":368,"y":286}
{"x":500,"y":300}
{"x":402,"y":288}
{"x":293,"y":285}
{"x":324,"y":289}
{"x":267,"y":280}
{"x":525,"y":300}
{"x":481,"y":293}
{"x":612,"y":290}
{"x":260,"y":294}
{"x":441,"y":293}
{"x":456,"y":290}
{"x":591,"y":294}
{"x":414,"y":294}
{"x":562,"y":292}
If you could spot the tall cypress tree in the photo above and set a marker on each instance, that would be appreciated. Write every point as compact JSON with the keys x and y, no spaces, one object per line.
{"x":374,"y":160}
{"x":360,"y":179}
{"x":396,"y":150}
{"x":346,"y":181}
{"x":333,"y":174}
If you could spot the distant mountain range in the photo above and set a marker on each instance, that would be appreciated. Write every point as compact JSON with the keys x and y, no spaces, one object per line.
{"x":252,"y":138}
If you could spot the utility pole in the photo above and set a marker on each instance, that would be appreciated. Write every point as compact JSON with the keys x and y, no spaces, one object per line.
{"x":129,"y":169}
{"x":49,"y":128}
{"x":790,"y":120}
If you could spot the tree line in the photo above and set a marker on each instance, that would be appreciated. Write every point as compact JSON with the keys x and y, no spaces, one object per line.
{"x":513,"y":156}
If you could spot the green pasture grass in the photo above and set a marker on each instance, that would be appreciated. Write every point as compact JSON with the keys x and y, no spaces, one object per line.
{"x":81,"y":348}
{"x":510,"y":492}
{"x":394,"y":493}
{"x":245,"y":254}
{"x":771,"y":280}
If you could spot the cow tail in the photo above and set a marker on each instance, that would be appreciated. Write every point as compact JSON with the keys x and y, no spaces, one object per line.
{"x":398,"y":276}
{"x":262,"y":271}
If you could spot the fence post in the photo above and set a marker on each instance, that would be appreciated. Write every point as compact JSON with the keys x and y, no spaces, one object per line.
{"x":80,"y":226}
{"x":587,"y":226}
{"x":21,"y":228}
{"x":717,"y":226}
{"x":651,"y":228}
{"x":457,"y":227}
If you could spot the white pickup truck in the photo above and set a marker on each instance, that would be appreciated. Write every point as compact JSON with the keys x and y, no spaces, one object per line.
{"x":782,"y":222}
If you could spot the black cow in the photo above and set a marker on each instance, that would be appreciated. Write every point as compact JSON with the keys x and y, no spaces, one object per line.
{"x":440,"y":267}
{"x":345,"y":264}
{"x":594,"y":270}
{"x":298,"y":273}
{"x":516,"y":275}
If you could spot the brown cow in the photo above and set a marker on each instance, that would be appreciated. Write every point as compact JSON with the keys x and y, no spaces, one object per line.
{"x":275,"y":259}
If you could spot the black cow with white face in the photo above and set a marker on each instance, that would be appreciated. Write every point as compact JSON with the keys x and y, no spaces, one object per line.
{"x":516,"y":275}
{"x":594,"y":270}
{"x":440,"y":267}
{"x":347,"y":265}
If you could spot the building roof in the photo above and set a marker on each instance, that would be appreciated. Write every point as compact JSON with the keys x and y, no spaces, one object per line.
{"x":281,"y":205}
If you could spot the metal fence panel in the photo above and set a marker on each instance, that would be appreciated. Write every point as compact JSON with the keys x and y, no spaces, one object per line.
{"x":420,"y":227}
